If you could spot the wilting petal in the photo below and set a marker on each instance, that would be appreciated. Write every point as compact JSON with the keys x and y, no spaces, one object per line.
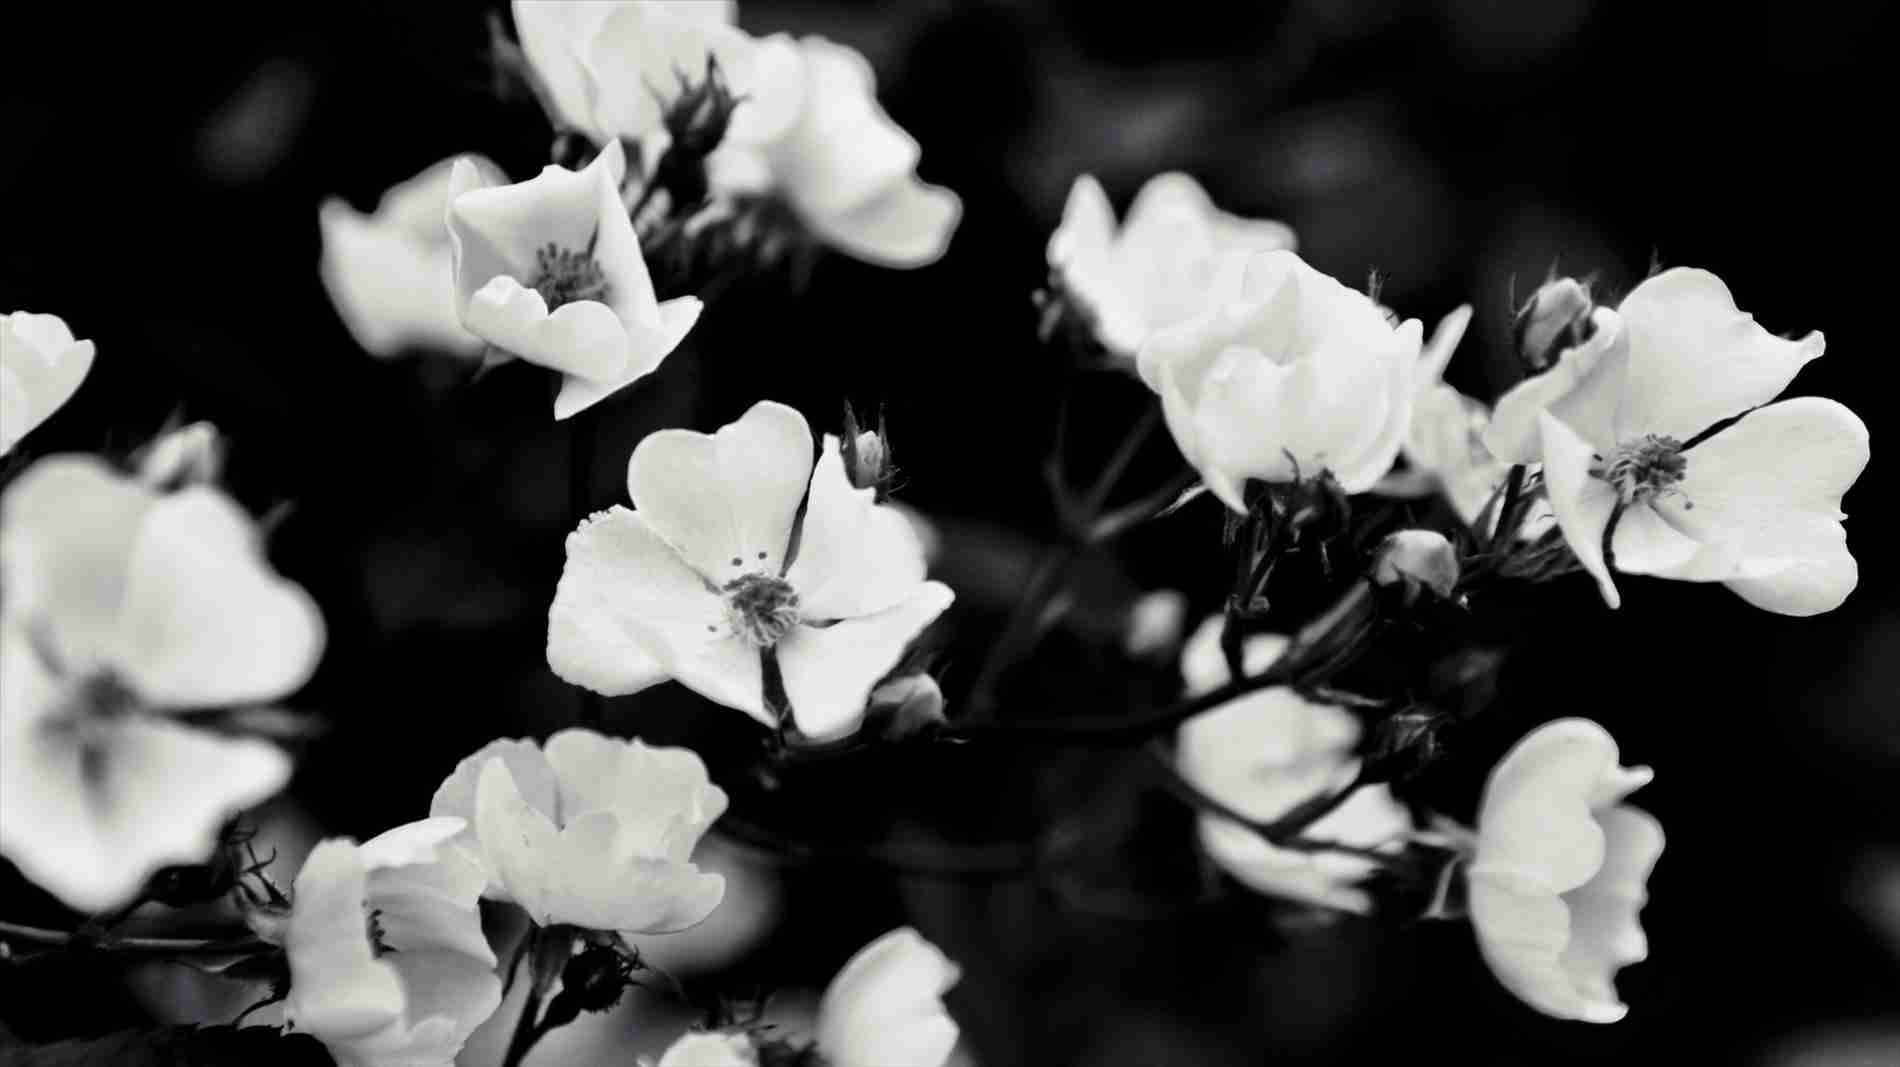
{"x":621,"y":591}
{"x":885,"y":1007}
{"x":1696,"y":359}
{"x":855,"y":557}
{"x":41,"y":366}
{"x":1766,"y":493}
{"x":829,"y":672}
{"x":725,"y":500}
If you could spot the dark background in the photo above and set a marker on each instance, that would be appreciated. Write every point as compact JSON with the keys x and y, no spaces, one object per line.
{"x":159,"y":177}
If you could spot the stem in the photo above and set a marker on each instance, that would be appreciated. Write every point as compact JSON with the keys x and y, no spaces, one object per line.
{"x":1018,"y":633}
{"x":1300,"y":664}
{"x":527,"y":1028}
{"x":166,"y":946}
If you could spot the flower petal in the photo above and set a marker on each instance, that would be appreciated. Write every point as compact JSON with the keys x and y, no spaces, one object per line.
{"x":1583,"y":388}
{"x":623,"y":594}
{"x":554,"y":34}
{"x":1605,"y":933}
{"x":1582,"y":504}
{"x":855,"y":557}
{"x":1696,"y":359}
{"x":649,"y":348}
{"x":1204,"y":665}
{"x":42,"y":366}
{"x":340,"y":990}
{"x":206,"y":621}
{"x":908,"y":224}
{"x":829,"y":672}
{"x":637,"y":781}
{"x":583,"y":338}
{"x":725,"y":500}
{"x":844,"y":150}
{"x":1766,"y":493}
{"x":1537,"y":825}
{"x":455,"y":797}
{"x":1370,"y":818}
{"x":885,"y":1007}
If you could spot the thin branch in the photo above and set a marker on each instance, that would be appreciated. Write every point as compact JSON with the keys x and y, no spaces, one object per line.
{"x":164,"y":946}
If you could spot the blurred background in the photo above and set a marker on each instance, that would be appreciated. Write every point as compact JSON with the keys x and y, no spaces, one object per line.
{"x":160,"y":173}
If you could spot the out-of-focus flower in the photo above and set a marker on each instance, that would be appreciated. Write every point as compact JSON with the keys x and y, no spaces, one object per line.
{"x":121,"y":604}
{"x":1265,"y":753}
{"x":885,"y":1007}
{"x":192,"y":454}
{"x":847,"y":170}
{"x":1155,"y":622}
{"x":41,"y":366}
{"x":1286,"y":373}
{"x":390,"y":273}
{"x":705,"y":577}
{"x":1558,"y":317}
{"x":1418,"y":558}
{"x":588,"y":830}
{"x":388,"y":965}
{"x":1560,"y":868}
{"x":1157,"y":269}
{"x":715,"y":1049}
{"x":907,"y":705}
{"x":1647,"y":475}
{"x":550,"y":270}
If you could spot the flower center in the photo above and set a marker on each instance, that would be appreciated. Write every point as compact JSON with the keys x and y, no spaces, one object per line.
{"x":1645,"y":468}
{"x":761,"y":609}
{"x":563,"y":276}
{"x":378,"y":940}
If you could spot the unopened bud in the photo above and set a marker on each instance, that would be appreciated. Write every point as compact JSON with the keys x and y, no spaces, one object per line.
{"x":1155,"y":622}
{"x":1554,"y":320}
{"x":190,"y":455}
{"x":907,"y":705}
{"x":1404,"y":744}
{"x":696,"y":120}
{"x":866,"y":454}
{"x":1417,"y":558}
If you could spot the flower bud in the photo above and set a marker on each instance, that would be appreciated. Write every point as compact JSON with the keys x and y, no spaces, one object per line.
{"x":1556,"y":318}
{"x":1417,"y":558}
{"x":907,"y":705}
{"x":190,"y":455}
{"x":867,"y":455}
{"x":696,"y":121}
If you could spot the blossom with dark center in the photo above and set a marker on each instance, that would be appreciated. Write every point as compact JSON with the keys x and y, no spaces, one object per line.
{"x":700,"y":581}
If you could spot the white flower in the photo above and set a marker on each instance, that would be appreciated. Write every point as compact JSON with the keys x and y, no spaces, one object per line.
{"x":1154,"y":624}
{"x":588,"y":830}
{"x":121,"y":605}
{"x":1631,"y":425}
{"x":705,"y":576}
{"x":845,"y":168}
{"x":719,"y":1049}
{"x":390,"y":274}
{"x":388,"y":965}
{"x":41,"y":366}
{"x":1560,"y":868}
{"x":1287,"y":372}
{"x":550,"y":270}
{"x":1265,"y":753}
{"x":885,"y":1007}
{"x":1157,"y":269}
{"x":1417,"y":558}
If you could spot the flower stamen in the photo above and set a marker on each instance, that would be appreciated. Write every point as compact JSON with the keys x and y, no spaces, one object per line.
{"x":1644,"y":469}
{"x":563,"y":276}
{"x":761,"y":609}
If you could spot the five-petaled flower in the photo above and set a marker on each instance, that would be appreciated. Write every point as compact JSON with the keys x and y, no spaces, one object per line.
{"x":550,"y":270}
{"x":123,"y":605}
{"x":589,"y":831}
{"x":1265,"y":753}
{"x":1559,"y":871}
{"x":1284,"y":374}
{"x":1157,"y":268}
{"x":388,"y":963}
{"x":1663,"y":455}
{"x":718,"y":579}
{"x":390,"y":273}
{"x":41,"y":366}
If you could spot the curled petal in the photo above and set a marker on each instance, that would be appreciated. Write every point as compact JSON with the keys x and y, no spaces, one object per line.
{"x":885,"y":1007}
{"x":649,"y":347}
{"x":1537,"y":826}
{"x":1582,"y":504}
{"x":455,"y":797}
{"x":584,"y":338}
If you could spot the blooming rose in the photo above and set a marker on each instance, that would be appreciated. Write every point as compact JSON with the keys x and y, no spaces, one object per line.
{"x":588,"y":830}
{"x":1267,"y":752}
{"x":1646,"y":473}
{"x":390,"y":273}
{"x":885,"y":1007}
{"x":41,"y":366}
{"x":1286,"y":372}
{"x":122,"y":605}
{"x":1559,"y":871}
{"x":1157,"y":269}
{"x":550,"y":270}
{"x":388,"y":965}
{"x":715,"y":569}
